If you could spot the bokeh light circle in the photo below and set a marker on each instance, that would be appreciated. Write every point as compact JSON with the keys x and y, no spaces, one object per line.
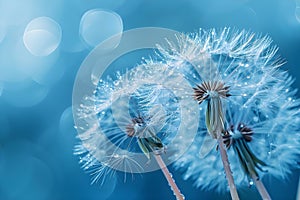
{"x":42,"y":36}
{"x":66,"y":122}
{"x":98,"y":25}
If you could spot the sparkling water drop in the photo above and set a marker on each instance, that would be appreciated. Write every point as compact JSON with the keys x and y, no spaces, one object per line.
{"x":255,"y":119}
{"x":42,"y":36}
{"x":98,"y":25}
{"x":269,"y":152}
{"x":116,"y":83}
{"x":251,"y":183}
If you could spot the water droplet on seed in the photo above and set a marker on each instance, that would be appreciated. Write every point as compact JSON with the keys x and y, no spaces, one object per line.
{"x":255,"y":119}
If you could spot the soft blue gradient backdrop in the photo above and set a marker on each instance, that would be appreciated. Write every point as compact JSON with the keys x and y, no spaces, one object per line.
{"x":36,"y":124}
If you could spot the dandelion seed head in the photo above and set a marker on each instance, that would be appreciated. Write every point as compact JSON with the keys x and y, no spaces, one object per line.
{"x":210,"y":90}
{"x":243,"y":61}
{"x":258,"y":102}
{"x":274,"y":140}
{"x":129,"y":117}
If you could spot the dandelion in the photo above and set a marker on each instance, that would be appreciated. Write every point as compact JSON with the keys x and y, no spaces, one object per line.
{"x":236,"y":75}
{"x":129,"y":121}
{"x":244,"y":64}
{"x":255,"y":148}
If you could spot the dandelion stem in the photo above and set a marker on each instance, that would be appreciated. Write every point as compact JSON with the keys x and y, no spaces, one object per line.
{"x":260,"y":187}
{"x":224,"y":157}
{"x":168,"y":175}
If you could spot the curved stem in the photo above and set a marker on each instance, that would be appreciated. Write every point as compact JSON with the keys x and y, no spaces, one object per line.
{"x":261,"y":188}
{"x":168,"y":175}
{"x":224,"y":157}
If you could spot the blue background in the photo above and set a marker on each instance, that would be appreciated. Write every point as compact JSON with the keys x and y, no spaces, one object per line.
{"x":36,"y":125}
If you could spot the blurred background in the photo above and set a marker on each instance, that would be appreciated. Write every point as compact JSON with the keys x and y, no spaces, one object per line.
{"x":42,"y":45}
